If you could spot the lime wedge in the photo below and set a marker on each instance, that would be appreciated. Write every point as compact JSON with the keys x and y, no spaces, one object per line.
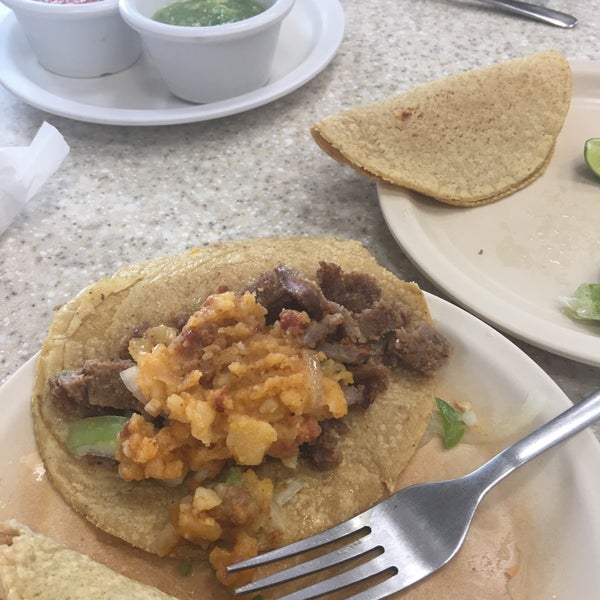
{"x":591,"y":153}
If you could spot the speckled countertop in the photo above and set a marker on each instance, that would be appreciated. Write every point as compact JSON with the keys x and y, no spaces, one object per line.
{"x":125,"y":194}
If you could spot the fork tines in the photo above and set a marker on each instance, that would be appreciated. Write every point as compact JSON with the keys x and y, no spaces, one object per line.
{"x":359,"y":542}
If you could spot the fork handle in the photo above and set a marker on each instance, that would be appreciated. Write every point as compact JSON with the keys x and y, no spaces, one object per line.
{"x":560,"y":428}
{"x":534,"y":11}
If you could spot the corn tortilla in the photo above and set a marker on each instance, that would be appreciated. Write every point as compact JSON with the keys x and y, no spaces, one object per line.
{"x":465,"y":140}
{"x":33,"y":565}
{"x":380,"y":443}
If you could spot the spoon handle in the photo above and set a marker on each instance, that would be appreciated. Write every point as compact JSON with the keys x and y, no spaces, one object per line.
{"x":534,"y":11}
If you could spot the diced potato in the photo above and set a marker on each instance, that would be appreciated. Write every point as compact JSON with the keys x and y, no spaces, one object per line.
{"x":249,"y":439}
{"x":205,"y":499}
{"x":334,"y":398}
{"x":201,"y":416}
{"x":230,"y":389}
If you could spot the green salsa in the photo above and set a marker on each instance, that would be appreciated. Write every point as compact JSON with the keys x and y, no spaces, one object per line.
{"x":203,"y":13}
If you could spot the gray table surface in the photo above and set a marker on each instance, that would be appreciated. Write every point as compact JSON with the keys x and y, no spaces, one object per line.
{"x":125,"y":194}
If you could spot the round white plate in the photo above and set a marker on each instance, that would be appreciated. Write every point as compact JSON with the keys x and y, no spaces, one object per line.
{"x":561,"y":489}
{"x":510,"y":261}
{"x":310,"y":36}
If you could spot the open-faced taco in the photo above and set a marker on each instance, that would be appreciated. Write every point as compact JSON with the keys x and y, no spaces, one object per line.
{"x":237,"y":396}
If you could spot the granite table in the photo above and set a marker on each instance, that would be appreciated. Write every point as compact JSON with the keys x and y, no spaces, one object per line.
{"x":128,"y":193}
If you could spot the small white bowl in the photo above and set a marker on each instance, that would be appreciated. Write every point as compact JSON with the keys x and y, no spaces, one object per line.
{"x":208,"y":64}
{"x":78,"y":40}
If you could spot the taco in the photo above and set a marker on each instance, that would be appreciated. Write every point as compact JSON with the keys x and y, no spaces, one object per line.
{"x":256,"y":391}
{"x":33,"y":565}
{"x":467,"y":139}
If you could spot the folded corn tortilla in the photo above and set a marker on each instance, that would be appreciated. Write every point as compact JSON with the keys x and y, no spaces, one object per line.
{"x":33,"y":565}
{"x":380,"y":442}
{"x":466,"y":140}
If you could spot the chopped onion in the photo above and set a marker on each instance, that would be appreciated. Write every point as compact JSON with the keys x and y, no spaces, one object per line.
{"x":469,"y":418}
{"x":291,"y":462}
{"x":314,"y":369}
{"x":287,"y":490}
{"x":489,"y":429}
{"x":129,"y":378}
{"x":174,"y":482}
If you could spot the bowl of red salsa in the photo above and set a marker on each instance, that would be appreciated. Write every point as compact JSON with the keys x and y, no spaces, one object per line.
{"x":209,"y":50}
{"x":68,"y":1}
{"x":77,"y":38}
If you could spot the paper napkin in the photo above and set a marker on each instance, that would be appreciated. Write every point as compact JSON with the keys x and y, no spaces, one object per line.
{"x":25,"y":169}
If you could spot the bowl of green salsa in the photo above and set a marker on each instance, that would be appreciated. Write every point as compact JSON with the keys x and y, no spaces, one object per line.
{"x":209,"y":50}
{"x":206,"y":13}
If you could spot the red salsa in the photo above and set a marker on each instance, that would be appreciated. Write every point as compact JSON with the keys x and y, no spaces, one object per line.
{"x":68,"y":1}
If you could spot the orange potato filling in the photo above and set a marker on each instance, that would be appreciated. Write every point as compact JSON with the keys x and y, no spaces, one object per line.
{"x":230,"y":388}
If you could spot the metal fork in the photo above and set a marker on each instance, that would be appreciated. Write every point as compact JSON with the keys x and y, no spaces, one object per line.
{"x":415,"y":531}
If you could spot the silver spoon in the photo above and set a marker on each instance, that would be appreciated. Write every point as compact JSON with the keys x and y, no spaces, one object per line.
{"x":534,"y":11}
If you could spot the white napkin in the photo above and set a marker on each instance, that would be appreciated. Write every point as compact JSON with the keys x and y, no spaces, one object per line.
{"x":25,"y":169}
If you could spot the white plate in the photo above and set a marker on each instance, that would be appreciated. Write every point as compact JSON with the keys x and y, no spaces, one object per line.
{"x":310,"y":37}
{"x":510,"y":261}
{"x":561,"y":490}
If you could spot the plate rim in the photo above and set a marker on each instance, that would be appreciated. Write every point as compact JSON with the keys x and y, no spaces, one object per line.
{"x":328,"y":14}
{"x":555,"y":338}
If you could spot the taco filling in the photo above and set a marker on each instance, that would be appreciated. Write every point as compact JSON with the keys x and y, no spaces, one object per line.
{"x":266,"y":374}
